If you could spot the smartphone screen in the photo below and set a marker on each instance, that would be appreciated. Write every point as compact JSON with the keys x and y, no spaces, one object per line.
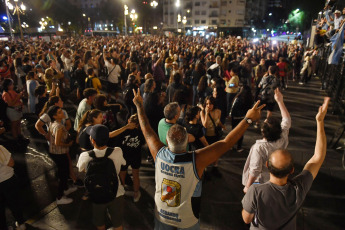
{"x":231,"y":85}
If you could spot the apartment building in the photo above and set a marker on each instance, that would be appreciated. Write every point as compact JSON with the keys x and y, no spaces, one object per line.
{"x":203,"y":16}
{"x":255,"y":9}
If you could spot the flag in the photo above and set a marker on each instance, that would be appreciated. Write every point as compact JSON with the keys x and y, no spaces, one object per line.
{"x":337,"y":41}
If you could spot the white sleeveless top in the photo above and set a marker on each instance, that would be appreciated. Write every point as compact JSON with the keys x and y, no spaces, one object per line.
{"x":178,"y":188}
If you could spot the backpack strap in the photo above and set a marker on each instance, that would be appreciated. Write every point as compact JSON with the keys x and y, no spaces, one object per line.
{"x":92,"y":154}
{"x":108,"y":152}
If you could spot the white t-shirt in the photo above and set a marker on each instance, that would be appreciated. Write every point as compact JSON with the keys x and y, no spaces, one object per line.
{"x":116,"y":156}
{"x":260,"y":152}
{"x":6,"y":172}
{"x":337,"y":22}
{"x":114,"y":72}
{"x":46,"y":119}
{"x":68,"y":63}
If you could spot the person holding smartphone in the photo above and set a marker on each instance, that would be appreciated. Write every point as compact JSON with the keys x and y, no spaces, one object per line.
{"x":231,"y":87}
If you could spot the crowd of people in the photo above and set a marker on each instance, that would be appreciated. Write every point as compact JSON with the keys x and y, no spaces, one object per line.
{"x":174,"y":94}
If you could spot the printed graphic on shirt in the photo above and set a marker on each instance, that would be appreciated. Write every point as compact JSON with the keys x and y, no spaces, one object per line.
{"x":171,"y":170}
{"x":171,"y":193}
{"x":132,"y":142}
{"x":169,"y":215}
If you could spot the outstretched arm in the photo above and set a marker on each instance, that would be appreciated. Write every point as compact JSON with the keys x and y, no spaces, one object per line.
{"x":151,"y":137}
{"x":278,"y":96}
{"x":211,"y":153}
{"x":314,"y":164}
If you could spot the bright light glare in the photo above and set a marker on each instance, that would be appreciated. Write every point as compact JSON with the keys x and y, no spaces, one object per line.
{"x":10,"y":6}
{"x":23,"y":7}
{"x":274,"y":42}
{"x":255,"y":40}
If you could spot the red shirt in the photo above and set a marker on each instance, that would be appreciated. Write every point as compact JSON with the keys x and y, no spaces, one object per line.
{"x":282,"y":68}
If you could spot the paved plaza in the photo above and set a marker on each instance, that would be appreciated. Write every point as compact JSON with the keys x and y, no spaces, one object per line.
{"x":221,"y":196}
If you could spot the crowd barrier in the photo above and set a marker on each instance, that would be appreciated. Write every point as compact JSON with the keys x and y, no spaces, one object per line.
{"x":333,"y":82}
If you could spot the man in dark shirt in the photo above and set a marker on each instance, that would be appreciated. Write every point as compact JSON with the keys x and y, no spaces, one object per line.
{"x":269,"y":61}
{"x":27,"y":67}
{"x":80,"y":77}
{"x":274,"y":204}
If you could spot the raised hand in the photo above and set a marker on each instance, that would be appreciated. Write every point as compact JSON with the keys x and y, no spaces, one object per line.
{"x":278,"y":96}
{"x":255,"y":112}
{"x":320,"y":116}
{"x":137,"y":100}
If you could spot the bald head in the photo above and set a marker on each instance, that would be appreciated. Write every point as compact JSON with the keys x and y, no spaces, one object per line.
{"x":280,"y":163}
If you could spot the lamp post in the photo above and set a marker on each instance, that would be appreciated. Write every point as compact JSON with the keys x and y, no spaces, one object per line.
{"x":16,"y":10}
{"x":184,"y":21}
{"x":178,"y":21}
{"x":133,"y":16}
{"x":9,"y":21}
{"x":178,"y":4}
{"x":125,"y":13}
{"x":154,"y":4}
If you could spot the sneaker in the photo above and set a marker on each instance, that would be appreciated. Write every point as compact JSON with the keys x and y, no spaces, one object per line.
{"x":70,"y":190}
{"x":20,"y":227}
{"x":240,"y":150}
{"x":137,"y":198}
{"x":64,"y":200}
{"x":256,"y":126}
{"x":79,"y":183}
{"x":301,"y":83}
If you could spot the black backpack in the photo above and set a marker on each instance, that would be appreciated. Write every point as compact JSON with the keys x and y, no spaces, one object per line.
{"x":88,"y":82}
{"x":101,"y":179}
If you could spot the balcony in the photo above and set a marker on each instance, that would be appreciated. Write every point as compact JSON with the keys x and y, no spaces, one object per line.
{"x":214,"y":15}
{"x":214,"y":6}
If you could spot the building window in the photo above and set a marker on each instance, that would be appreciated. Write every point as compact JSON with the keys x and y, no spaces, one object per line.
{"x":223,"y":3}
{"x":197,"y":12}
{"x":203,"y":12}
{"x":214,"y":22}
{"x":239,"y":22}
{"x":203,"y":21}
{"x":240,"y":12}
{"x":197,"y":21}
{"x":197,"y":4}
{"x":241,"y":2}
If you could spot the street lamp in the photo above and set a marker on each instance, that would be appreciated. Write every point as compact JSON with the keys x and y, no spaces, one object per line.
{"x":133,"y":16}
{"x":125,"y":13}
{"x":154,"y":4}
{"x":43,"y":23}
{"x":17,"y":10}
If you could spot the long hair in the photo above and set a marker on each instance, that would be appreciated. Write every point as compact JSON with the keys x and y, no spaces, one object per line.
{"x":99,"y":101}
{"x":7,"y":83}
{"x":87,"y":56}
{"x":88,"y":117}
{"x":52,"y":101}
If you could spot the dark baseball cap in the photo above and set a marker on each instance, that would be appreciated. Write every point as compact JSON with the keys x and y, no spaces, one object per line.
{"x":99,"y":133}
